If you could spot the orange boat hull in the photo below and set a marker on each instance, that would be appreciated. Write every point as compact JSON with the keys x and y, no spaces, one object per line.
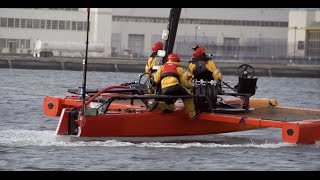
{"x":149,"y":124}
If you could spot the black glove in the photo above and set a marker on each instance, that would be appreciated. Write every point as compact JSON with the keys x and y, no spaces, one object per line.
{"x":124,"y":84}
{"x":219,"y":85}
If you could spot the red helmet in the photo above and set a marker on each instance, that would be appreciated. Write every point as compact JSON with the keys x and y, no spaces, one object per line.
{"x":174,"y":57}
{"x":198,"y":52}
{"x":157,"y":46}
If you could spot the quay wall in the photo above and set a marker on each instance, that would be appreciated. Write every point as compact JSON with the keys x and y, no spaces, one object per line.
{"x":227,"y":67}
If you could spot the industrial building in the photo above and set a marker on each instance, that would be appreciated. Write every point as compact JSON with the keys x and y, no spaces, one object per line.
{"x":304,"y":33}
{"x":225,"y":32}
{"x":20,"y":28}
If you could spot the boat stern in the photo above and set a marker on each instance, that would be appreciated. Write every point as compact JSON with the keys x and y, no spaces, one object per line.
{"x":52,"y":106}
{"x":67,"y":122}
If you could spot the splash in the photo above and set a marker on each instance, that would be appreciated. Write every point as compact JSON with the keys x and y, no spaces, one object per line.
{"x":214,"y":145}
{"x":48,"y":138}
{"x":317,"y":144}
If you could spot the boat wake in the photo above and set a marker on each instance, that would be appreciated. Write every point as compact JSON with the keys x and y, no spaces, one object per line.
{"x":18,"y":138}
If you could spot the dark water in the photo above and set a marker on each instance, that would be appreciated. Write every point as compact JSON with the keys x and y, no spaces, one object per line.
{"x":28,"y":141}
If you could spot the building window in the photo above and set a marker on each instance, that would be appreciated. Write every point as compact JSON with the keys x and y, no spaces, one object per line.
{"x":68,"y":25}
{"x":116,"y":43}
{"x":313,"y":43}
{"x":285,"y":24}
{"x":85,"y":24}
{"x":23,"y":23}
{"x":36,"y":23}
{"x":228,"y":22}
{"x":135,"y":43}
{"x":28,"y":43}
{"x":13,"y":43}
{"x":43,"y":24}
{"x":10,"y":22}
{"x":255,"y":23}
{"x":74,"y":25}
{"x":22,"y":43}
{"x":48,"y":24}
{"x":273,"y":24}
{"x":54,"y":24}
{"x":267,"y":23}
{"x":3,"y":43}
{"x":16,"y":23}
{"x":200,"y":21}
{"x":62,"y":24}
{"x":29,"y":23}
{"x":80,"y":25}
{"x":3,"y":22}
{"x":214,"y":21}
{"x":231,"y":46}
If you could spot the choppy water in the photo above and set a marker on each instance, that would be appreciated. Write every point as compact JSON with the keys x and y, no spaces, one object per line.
{"x":28,"y":140}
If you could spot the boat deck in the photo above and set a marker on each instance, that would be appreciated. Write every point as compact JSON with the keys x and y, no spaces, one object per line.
{"x":274,"y":113}
{"x":279,"y":113}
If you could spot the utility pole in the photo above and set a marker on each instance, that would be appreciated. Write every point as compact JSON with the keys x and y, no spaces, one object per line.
{"x":197,"y":27}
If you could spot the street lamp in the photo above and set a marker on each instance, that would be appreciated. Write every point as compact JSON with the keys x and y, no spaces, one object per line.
{"x":197,"y":27}
{"x":294,"y":43}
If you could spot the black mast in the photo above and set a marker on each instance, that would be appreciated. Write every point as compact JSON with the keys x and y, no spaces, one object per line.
{"x":84,"y":72}
{"x":174,"y":18}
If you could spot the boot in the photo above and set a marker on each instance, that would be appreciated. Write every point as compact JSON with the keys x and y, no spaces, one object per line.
{"x":153,"y":106}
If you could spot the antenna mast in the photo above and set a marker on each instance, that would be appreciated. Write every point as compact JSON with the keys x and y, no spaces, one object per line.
{"x":84,"y":72}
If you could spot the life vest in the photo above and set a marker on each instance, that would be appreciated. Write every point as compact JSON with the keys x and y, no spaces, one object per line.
{"x":170,"y":70}
{"x":200,"y":71}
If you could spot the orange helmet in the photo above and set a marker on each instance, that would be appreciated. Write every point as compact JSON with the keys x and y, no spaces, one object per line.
{"x":174,"y":57}
{"x":157,"y":46}
{"x":198,"y":51}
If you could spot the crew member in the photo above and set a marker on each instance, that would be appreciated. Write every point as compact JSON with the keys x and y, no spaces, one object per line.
{"x":202,"y":67}
{"x":153,"y":63}
{"x":173,"y":81}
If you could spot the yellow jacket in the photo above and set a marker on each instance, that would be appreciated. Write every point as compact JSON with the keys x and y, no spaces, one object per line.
{"x":150,"y":63}
{"x":170,"y":80}
{"x":216,"y":74}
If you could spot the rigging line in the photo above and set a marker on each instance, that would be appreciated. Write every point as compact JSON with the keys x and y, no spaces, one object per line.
{"x":117,"y":34}
{"x":127,"y":19}
{"x":122,"y":23}
{"x":121,"y":27}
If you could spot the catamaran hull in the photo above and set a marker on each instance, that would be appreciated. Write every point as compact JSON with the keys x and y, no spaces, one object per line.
{"x":147,"y":124}
{"x":125,"y":120}
{"x":303,"y":127}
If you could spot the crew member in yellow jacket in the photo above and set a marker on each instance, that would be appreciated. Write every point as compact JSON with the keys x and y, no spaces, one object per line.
{"x":174,"y":81}
{"x":153,"y":63}
{"x":202,"y":67}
